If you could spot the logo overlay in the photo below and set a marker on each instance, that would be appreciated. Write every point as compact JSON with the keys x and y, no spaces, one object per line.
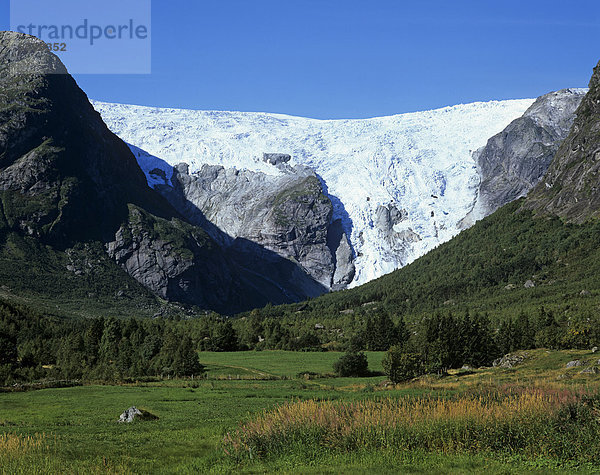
{"x":90,"y":37}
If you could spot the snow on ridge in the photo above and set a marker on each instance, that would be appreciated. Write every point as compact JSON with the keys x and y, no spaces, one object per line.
{"x":420,"y":161}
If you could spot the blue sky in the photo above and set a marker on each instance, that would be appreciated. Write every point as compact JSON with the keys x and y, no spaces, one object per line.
{"x":340,"y":59}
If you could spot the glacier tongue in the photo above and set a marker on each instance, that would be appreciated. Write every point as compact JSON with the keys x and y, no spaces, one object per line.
{"x":400,"y":184}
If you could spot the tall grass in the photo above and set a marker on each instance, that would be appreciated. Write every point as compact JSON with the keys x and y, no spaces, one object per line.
{"x":25,"y":453}
{"x":534,"y":422}
{"x":38,"y":454}
{"x":15,"y":445}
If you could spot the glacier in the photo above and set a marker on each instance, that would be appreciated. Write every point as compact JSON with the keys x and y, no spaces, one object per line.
{"x":420,"y":163}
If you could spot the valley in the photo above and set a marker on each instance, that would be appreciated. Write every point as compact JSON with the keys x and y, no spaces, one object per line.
{"x":415,"y":293}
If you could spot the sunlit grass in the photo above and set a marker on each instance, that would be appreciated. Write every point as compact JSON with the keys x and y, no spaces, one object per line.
{"x":535,"y":422}
{"x":276,"y":363}
{"x":485,"y":410}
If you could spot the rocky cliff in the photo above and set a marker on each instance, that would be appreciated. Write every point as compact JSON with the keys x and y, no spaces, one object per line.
{"x":286,"y":213}
{"x":570,"y":189}
{"x":515,"y":160}
{"x":59,"y":162}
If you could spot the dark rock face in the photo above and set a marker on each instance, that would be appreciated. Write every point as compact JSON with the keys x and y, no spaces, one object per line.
{"x":66,"y":179}
{"x":515,"y":160}
{"x":175,"y":260}
{"x":276,"y":158}
{"x":287,"y":214}
{"x":571,"y":188}
{"x":64,"y":176}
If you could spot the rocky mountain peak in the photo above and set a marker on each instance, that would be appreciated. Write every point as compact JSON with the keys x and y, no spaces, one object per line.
{"x":65,"y":179}
{"x":571,"y":188}
{"x":73,"y":176}
{"x":556,"y":109}
{"x":27,"y":55}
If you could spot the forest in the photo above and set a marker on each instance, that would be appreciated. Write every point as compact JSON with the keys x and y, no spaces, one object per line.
{"x":38,"y":347}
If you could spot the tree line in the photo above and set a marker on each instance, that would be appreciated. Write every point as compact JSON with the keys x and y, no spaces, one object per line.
{"x":35,"y":346}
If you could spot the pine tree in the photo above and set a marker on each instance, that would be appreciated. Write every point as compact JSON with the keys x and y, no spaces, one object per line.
{"x":185,"y":361}
{"x":70,"y":357}
{"x":380,"y":333}
{"x":164,"y":362}
{"x":109,"y":343}
{"x":125,"y":357}
{"x":225,"y":337}
{"x":91,"y":341}
{"x":400,"y":365}
{"x":8,"y":346}
{"x":479,"y":348}
{"x":548,"y":334}
{"x":524,"y":332}
{"x":507,"y":338}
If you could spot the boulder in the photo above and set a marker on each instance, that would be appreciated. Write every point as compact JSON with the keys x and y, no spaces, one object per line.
{"x":529,"y":284}
{"x":134,"y":413}
{"x":574,"y":363}
{"x":510,"y":360}
{"x":130,"y":414}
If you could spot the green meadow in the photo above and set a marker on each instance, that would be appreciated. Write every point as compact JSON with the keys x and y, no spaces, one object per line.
{"x":277,"y":363}
{"x":75,"y":429}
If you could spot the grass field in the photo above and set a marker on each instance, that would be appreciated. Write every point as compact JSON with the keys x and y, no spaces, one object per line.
{"x":74,"y":429}
{"x":278,"y":364}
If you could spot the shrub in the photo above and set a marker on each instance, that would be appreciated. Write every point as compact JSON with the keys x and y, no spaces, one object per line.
{"x":352,"y":364}
{"x":400,"y":366}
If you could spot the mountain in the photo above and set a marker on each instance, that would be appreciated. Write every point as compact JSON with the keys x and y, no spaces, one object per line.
{"x":125,"y":229}
{"x":399,"y":185}
{"x":539,"y":251}
{"x":77,"y":212}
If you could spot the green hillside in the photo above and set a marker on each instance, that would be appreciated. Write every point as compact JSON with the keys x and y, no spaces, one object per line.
{"x":486,"y":268}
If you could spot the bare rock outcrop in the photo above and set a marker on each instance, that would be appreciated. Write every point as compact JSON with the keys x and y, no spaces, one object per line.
{"x":285,"y":213}
{"x":516,"y":159}
{"x":570,"y":188}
